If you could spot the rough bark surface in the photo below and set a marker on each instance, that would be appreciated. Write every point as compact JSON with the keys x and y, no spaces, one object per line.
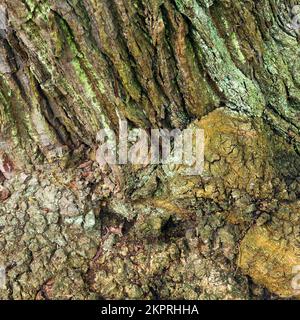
{"x":71,"y":229}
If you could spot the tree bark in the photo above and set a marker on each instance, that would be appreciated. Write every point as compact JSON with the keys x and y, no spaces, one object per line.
{"x":70,"y":228}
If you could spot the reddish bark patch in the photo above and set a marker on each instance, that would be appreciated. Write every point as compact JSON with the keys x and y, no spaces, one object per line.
{"x":4,"y":193}
{"x":6,"y":166}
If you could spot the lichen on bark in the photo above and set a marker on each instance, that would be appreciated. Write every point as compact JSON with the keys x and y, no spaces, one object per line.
{"x":71,"y":229}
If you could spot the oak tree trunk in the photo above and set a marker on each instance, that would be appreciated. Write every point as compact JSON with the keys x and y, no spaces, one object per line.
{"x":70,"y":228}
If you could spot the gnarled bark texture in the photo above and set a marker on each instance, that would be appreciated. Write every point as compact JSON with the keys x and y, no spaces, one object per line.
{"x":72,"y":229}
